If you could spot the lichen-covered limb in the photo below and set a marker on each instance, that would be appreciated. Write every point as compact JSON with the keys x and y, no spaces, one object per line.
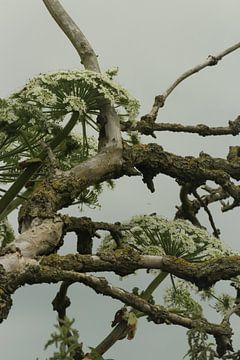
{"x":43,"y":273}
{"x":204,"y":274}
{"x":85,"y":224}
{"x":60,"y":191}
{"x":210,"y":61}
{"x":74,"y":223}
{"x":156,"y":313}
{"x":147,"y":127}
{"x":151,"y":160}
{"x":122,"y":262}
{"x":74,"y":34}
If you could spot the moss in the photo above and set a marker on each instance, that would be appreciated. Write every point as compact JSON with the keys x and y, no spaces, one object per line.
{"x":52,"y":195}
{"x":182,"y":262}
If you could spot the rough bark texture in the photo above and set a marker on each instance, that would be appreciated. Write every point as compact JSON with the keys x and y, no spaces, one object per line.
{"x":32,"y":258}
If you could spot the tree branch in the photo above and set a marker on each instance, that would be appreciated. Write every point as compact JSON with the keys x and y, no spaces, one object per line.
{"x":147,"y":127}
{"x":151,"y":160}
{"x":216,"y":232}
{"x":158,"y":314}
{"x":110,"y":136}
{"x":203,"y":275}
{"x":160,"y":99}
{"x":74,"y":34}
{"x":188,"y":208}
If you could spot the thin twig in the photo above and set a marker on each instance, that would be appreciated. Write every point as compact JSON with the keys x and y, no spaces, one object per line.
{"x":61,"y":301}
{"x":216,"y":231}
{"x":211,"y":60}
{"x":147,"y":127}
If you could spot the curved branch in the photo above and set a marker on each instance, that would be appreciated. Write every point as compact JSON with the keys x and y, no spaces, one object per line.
{"x":204,"y":274}
{"x":211,"y":60}
{"x":152,"y":160}
{"x":216,"y":232}
{"x":158,"y":314}
{"x":110,"y":134}
{"x":74,"y":34}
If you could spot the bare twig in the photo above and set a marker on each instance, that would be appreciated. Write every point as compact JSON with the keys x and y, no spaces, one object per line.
{"x":189,"y":208}
{"x":147,"y":127}
{"x":226,"y":206}
{"x":216,"y":231}
{"x":211,"y":60}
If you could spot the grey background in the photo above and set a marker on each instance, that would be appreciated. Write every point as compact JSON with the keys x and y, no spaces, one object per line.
{"x":152,"y":42}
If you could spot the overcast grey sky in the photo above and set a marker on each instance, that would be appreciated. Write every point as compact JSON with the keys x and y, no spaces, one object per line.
{"x":151,"y":42}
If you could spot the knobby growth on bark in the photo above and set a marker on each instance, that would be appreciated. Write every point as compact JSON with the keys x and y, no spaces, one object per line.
{"x":50,"y":168}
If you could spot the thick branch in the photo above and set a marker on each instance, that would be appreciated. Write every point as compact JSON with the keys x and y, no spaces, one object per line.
{"x":151,"y":160}
{"x":60,"y":191}
{"x":74,"y":34}
{"x":189,"y":209}
{"x":204,"y":274}
{"x":158,"y":314}
{"x":124,"y":262}
{"x":110,"y":135}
